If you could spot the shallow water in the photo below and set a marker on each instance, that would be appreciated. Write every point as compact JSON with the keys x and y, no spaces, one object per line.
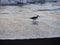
{"x":15,"y":23}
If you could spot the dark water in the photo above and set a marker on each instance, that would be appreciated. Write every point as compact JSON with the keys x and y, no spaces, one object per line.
{"x":49,"y":9}
{"x":12,"y":4}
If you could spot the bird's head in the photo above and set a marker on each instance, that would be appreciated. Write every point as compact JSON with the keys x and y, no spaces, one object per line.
{"x":38,"y":16}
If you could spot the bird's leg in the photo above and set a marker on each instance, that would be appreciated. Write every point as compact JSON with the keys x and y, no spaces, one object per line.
{"x":34,"y":22}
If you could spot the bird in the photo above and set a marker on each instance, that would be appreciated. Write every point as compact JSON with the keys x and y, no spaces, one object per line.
{"x":35,"y":17}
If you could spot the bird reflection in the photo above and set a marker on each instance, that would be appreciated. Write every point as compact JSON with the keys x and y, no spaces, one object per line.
{"x":34,"y":20}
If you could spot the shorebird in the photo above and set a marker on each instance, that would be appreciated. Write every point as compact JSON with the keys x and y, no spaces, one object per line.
{"x":35,"y":17}
{"x":34,"y":20}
